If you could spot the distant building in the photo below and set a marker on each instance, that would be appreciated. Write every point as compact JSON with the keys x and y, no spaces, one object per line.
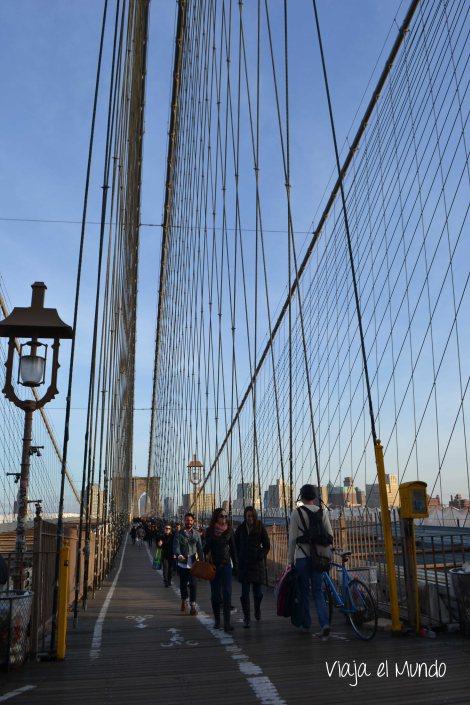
{"x":434,"y":502}
{"x":373,"y":494}
{"x":360,"y":497}
{"x":322,"y":493}
{"x":279,"y":495}
{"x":245,"y":497}
{"x":205,"y":503}
{"x":168,"y":507}
{"x":459,"y":502}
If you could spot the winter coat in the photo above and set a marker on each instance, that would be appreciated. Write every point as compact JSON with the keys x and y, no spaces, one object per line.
{"x":167,"y":545}
{"x":252,"y":548}
{"x":188,"y":544}
{"x":222,"y":548}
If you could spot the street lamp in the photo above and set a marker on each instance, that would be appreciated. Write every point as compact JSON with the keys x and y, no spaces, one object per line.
{"x":195,"y":473}
{"x":32,"y":322}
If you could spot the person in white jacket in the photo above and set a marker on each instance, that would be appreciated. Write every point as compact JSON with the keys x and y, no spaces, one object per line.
{"x":299,"y":556}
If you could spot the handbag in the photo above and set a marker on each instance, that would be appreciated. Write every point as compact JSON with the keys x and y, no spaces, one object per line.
{"x":203,"y":570}
{"x":157,"y":560}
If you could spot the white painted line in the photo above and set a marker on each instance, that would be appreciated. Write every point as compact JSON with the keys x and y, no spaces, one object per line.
{"x":263,"y":688}
{"x":98,"y":630}
{"x":14,"y":693}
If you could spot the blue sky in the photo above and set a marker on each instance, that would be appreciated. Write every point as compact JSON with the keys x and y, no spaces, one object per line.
{"x":48,"y":53}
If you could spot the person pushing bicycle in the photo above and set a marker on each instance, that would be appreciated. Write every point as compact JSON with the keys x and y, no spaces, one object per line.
{"x":309,"y":550}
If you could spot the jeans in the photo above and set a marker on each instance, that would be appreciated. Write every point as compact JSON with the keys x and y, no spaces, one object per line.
{"x":186,"y":579}
{"x":308,"y":577}
{"x":167,"y":565}
{"x":257,"y":591}
{"x":221,"y":586}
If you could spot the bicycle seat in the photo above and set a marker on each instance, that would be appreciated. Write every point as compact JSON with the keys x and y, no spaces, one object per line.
{"x":345,"y":554}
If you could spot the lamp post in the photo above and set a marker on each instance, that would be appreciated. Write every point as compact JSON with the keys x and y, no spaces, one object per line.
{"x":195,"y":472}
{"x":32,"y":322}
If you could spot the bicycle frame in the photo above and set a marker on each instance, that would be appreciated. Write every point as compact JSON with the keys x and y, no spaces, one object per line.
{"x":339,"y":598}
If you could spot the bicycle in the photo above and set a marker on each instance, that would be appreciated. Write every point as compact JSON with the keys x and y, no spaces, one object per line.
{"x":354,"y":600}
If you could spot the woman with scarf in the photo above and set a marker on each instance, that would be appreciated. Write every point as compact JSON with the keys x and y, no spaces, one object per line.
{"x":219,"y":548}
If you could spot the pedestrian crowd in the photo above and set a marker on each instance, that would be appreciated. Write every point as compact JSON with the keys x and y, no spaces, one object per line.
{"x":221,"y":552}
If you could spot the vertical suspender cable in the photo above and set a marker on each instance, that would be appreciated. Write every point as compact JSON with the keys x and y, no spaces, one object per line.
{"x":60,"y":526}
{"x":167,"y":210}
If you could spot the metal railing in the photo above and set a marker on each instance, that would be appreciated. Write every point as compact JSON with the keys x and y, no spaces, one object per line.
{"x":39,"y":562}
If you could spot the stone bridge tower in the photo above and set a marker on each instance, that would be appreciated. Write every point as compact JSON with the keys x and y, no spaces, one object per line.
{"x":139,"y":487}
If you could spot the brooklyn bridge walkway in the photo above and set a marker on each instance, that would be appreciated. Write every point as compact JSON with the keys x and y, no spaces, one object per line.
{"x":134,"y":646}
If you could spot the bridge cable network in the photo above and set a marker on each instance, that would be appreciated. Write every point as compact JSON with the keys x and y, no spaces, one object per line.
{"x":405,"y":182}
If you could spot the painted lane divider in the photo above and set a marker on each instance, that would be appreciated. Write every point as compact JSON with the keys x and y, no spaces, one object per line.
{"x":14,"y":693}
{"x":263,"y":688}
{"x":98,"y":630}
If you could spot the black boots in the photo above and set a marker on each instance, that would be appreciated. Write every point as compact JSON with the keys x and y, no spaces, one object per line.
{"x":258,"y":608}
{"x":216,"y":611}
{"x":227,"y":625}
{"x":246,"y":611}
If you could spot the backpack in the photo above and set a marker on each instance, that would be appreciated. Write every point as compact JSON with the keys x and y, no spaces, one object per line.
{"x":314,"y":534}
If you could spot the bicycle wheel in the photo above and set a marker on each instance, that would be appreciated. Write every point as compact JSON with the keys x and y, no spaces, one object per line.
{"x":329,"y":601}
{"x":363,"y":614}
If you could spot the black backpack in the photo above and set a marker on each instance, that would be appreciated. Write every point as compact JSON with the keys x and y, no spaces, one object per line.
{"x":314,"y":534}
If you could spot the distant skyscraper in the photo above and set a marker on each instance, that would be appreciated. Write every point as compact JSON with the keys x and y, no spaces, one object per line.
{"x":373,"y":494}
{"x":278,"y":495}
{"x":245,"y":497}
{"x":169,"y":507}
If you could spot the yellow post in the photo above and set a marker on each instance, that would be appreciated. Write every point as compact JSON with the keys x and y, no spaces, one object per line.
{"x":388,"y":541}
{"x":63,"y":600}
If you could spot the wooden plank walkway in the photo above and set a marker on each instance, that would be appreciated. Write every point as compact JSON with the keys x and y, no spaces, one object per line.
{"x":150,"y":653}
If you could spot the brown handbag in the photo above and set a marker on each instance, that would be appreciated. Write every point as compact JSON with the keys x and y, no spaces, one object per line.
{"x":203,"y":570}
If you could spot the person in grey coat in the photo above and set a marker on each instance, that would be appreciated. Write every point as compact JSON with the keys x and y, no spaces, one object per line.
{"x":187,"y":547}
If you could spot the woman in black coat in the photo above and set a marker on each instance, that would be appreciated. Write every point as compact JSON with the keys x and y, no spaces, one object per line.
{"x":253,"y":546}
{"x":219,"y":547}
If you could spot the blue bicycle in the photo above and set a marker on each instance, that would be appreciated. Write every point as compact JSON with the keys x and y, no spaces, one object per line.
{"x":354,"y":600}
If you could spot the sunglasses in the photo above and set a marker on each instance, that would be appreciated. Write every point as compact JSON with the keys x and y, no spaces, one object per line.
{"x":223,"y":516}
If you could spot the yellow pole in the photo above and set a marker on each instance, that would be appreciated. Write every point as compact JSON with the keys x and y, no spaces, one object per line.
{"x":388,"y":541}
{"x":63,"y":601}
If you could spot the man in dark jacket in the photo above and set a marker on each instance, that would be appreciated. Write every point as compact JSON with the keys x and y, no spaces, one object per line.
{"x":165,"y":542}
{"x":253,"y":546}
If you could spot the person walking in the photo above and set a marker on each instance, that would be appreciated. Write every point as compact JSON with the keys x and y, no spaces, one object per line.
{"x":165,"y":542}
{"x":133,"y":533}
{"x":140,"y":535}
{"x":310,"y":538}
{"x":253,"y":545}
{"x":187,"y":548}
{"x":220,"y":549}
